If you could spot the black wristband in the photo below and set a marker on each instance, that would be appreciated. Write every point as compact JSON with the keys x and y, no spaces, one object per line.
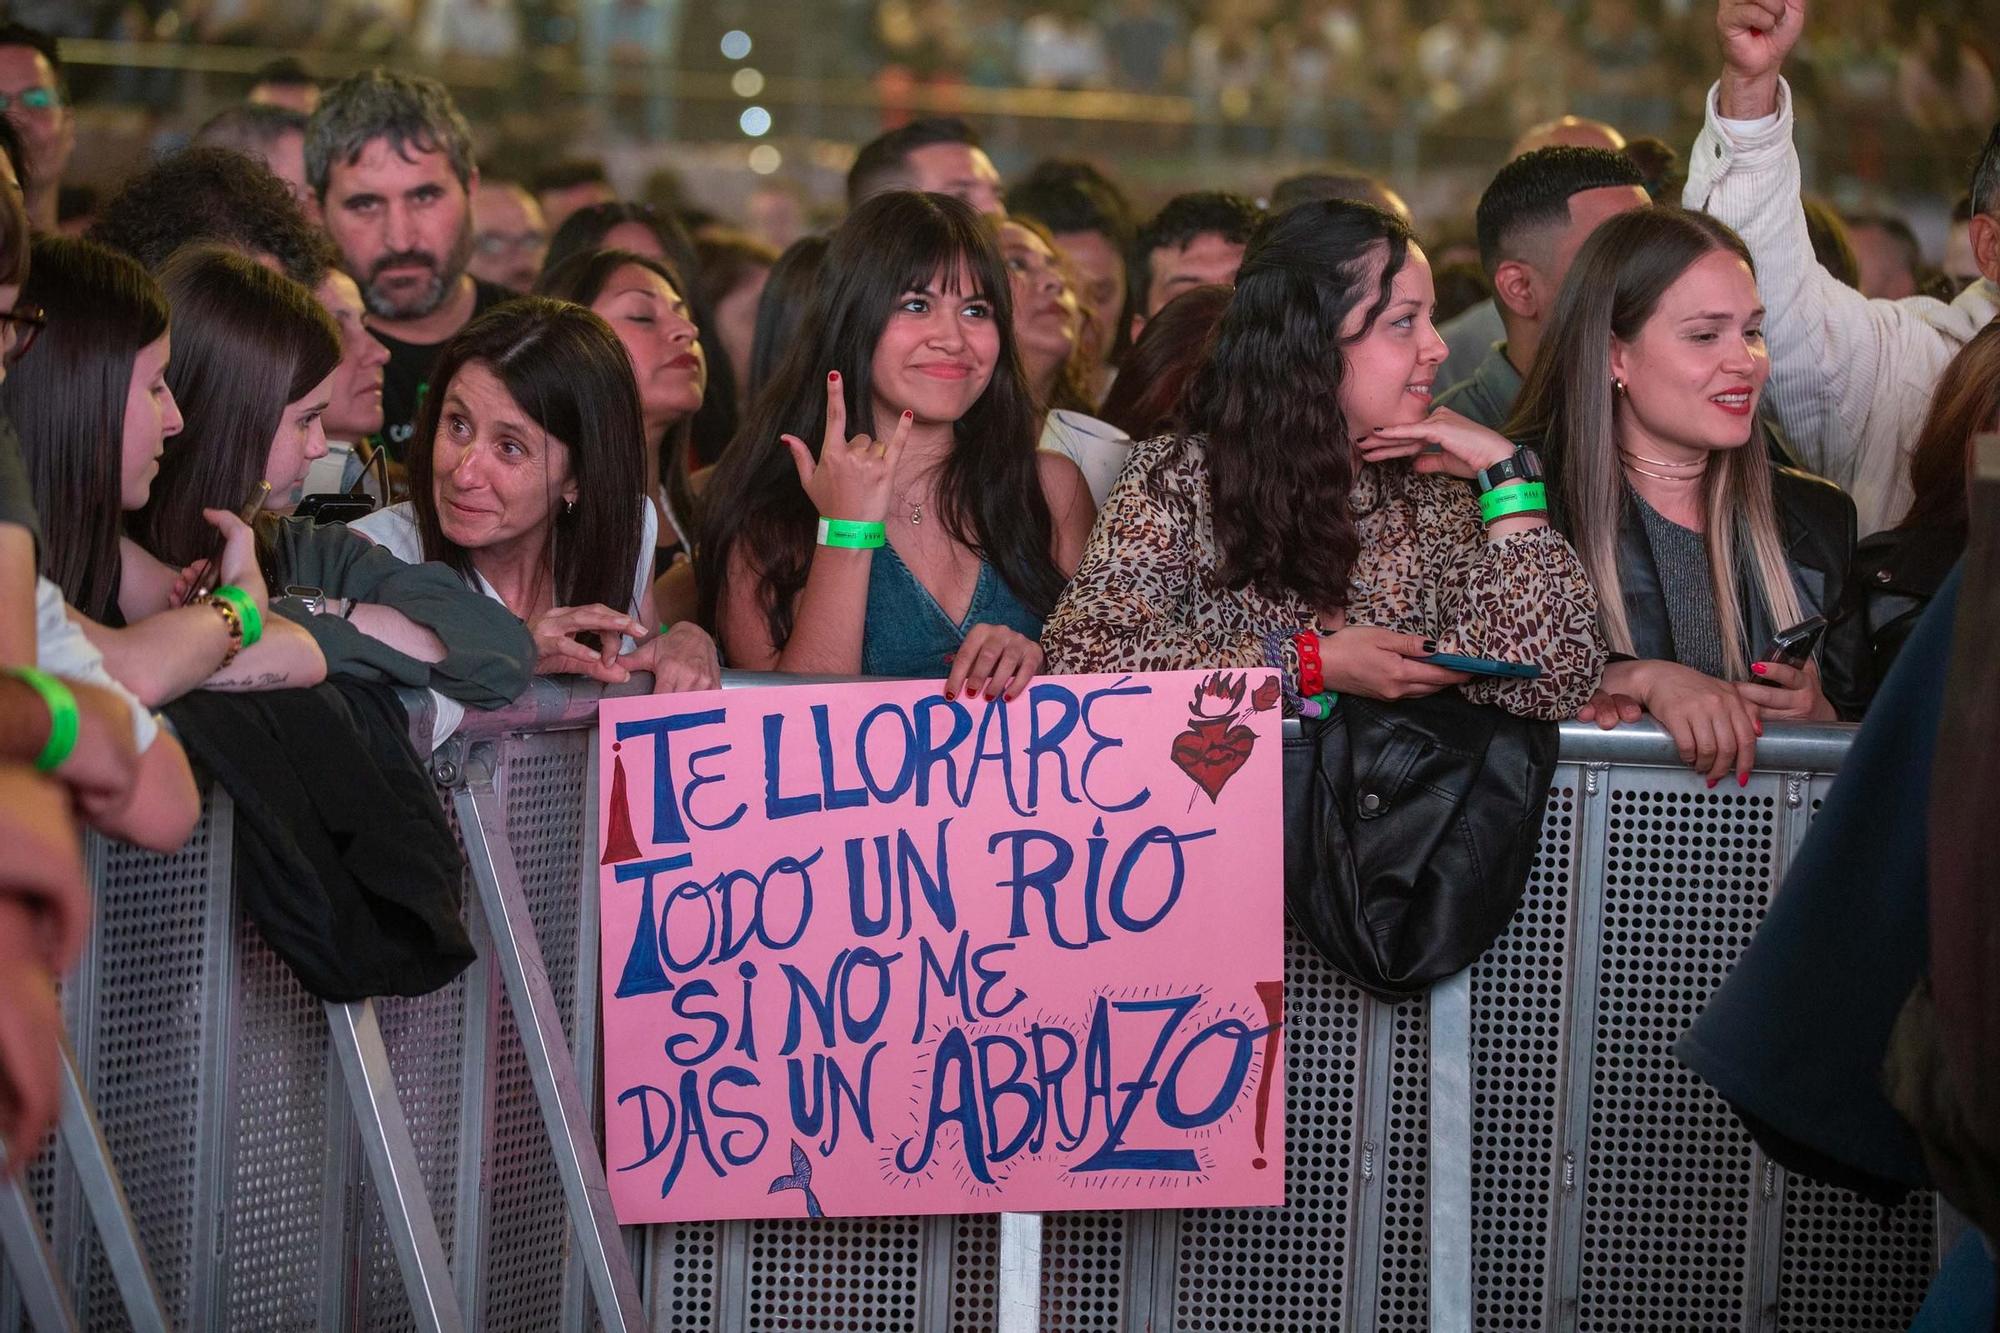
{"x":1524,"y":464}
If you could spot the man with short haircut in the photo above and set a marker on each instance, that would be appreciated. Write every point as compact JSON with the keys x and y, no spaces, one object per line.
{"x":1469,"y":335}
{"x":509,"y":238}
{"x":1961,"y":266}
{"x":1195,"y":240}
{"x":939,"y":155}
{"x":35,"y":97}
{"x":389,"y":159}
{"x":287,"y":83}
{"x":1886,"y":253}
{"x":1092,"y":226}
{"x":214,"y":195}
{"x":274,"y":135}
{"x":1353,"y":186}
{"x":1532,"y":220}
{"x":566,"y":186}
{"x":1851,"y":379}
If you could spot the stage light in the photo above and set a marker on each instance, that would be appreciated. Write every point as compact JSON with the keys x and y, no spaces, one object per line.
{"x":765,"y":159}
{"x":747,"y":82}
{"x":755,"y":121}
{"x":736,"y":43}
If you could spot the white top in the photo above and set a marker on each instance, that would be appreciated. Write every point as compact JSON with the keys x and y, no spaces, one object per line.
{"x":395,"y":530}
{"x":1098,"y":448}
{"x":1851,"y":378}
{"x":62,"y":650}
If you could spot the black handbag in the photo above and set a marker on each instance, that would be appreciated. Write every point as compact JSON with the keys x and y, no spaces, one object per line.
{"x":1410,"y":828}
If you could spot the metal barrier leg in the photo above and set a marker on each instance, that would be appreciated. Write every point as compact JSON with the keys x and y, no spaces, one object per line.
{"x":27,"y":1251}
{"x":104,"y":1194}
{"x":1451,"y":1155}
{"x":483,"y":827}
{"x":1020,"y":1306}
{"x":392,"y":1161}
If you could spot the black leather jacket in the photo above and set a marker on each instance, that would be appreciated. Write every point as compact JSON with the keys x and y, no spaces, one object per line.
{"x":1894,"y":577}
{"x":1818,"y":521}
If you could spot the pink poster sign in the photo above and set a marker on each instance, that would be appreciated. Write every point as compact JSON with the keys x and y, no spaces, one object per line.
{"x":871,"y":951}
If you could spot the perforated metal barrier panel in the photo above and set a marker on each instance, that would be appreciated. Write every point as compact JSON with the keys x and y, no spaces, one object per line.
{"x":1610,"y":1189}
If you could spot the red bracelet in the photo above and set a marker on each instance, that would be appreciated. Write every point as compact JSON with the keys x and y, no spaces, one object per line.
{"x":1312,"y":677}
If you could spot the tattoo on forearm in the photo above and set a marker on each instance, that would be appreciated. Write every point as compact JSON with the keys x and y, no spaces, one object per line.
{"x":263,"y":680}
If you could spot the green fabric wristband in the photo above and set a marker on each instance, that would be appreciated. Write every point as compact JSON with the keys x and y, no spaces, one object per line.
{"x":1502,"y":501}
{"x":852,"y":535}
{"x":247,"y":613}
{"x":64,"y":722}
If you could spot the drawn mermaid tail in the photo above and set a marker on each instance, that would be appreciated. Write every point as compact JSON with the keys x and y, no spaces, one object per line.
{"x":801,"y":1179}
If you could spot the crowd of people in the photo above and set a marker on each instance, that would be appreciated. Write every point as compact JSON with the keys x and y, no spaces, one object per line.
{"x":981,"y":430}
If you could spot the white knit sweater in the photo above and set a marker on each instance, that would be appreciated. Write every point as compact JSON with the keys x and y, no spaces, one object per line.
{"x":1851,"y":378}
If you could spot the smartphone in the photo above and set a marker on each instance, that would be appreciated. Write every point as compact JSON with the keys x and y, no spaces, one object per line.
{"x":1484,"y":666}
{"x":1794,"y":647}
{"x":335,"y":507}
{"x":202,"y":583}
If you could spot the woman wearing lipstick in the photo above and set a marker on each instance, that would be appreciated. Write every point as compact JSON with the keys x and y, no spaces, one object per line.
{"x":526,"y":478}
{"x":640,"y":299}
{"x":885,"y":510}
{"x":1644,"y":393}
{"x":1298,"y":522}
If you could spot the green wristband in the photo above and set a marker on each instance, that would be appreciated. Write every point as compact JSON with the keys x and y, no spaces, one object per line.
{"x":64,"y":723}
{"x":852,"y":536}
{"x":247,"y":614}
{"x":1502,"y":501}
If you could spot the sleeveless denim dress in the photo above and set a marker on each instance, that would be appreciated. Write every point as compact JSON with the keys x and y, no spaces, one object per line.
{"x":908,"y":634}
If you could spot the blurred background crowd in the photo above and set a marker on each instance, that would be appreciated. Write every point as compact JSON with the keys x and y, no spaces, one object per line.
{"x":696,"y":104}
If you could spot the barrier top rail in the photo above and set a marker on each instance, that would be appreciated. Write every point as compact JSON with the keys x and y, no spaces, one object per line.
{"x":569,"y":703}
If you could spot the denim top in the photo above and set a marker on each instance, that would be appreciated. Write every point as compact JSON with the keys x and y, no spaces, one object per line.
{"x":908,"y":634}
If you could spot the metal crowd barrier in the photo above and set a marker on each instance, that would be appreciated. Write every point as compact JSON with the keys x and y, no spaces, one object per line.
{"x":1521,"y":1152}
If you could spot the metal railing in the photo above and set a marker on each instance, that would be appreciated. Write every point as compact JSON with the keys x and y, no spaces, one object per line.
{"x":1521,"y":1152}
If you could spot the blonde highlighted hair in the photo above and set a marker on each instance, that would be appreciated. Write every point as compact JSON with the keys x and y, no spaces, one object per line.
{"x":1568,"y":405}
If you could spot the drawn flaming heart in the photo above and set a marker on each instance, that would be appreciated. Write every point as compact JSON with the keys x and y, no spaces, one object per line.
{"x":1215,"y":744}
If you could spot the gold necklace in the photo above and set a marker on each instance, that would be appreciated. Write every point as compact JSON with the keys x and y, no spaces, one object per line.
{"x":1633,"y":460}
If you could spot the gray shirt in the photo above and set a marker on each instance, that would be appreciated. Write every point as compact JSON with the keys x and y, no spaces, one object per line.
{"x":1468,"y":335}
{"x":1487,"y":397}
{"x":1681,"y":556}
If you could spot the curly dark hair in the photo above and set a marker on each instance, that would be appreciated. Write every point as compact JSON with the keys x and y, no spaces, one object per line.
{"x":214,"y":196}
{"x":1280,"y":462}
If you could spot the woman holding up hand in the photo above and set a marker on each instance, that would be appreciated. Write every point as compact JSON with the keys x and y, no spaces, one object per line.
{"x":1308,"y":516}
{"x":884,"y":510}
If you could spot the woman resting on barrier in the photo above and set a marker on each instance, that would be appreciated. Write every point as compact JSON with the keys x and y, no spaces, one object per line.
{"x":1644,"y":397}
{"x":1297,"y":512}
{"x":253,"y":359}
{"x":884,"y":510}
{"x":527,"y":478}
{"x":640,"y":299}
{"x":1896,"y":573}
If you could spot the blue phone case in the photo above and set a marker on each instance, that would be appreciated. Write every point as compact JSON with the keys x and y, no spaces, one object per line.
{"x":1484,"y":666}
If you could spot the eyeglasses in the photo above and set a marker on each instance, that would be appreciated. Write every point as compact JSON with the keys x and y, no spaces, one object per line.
{"x":19,"y":328}
{"x":41,"y":97}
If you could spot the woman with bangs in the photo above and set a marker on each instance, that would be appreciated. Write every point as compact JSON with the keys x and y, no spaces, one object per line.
{"x":884,"y":509}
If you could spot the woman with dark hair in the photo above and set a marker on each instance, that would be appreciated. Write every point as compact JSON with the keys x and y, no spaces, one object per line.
{"x":527,"y":478}
{"x":732,"y":268}
{"x":1644,"y":397}
{"x":1048,"y":320}
{"x":782,"y":304}
{"x":1897,"y":572}
{"x":641,"y":229}
{"x":1285,"y":525}
{"x":641,"y":301}
{"x":253,"y":360}
{"x":943,"y":536}
{"x":19,"y":528}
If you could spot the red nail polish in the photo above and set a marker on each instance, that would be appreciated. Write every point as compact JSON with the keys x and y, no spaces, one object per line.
{"x":1711,"y":783}
{"x":1759,"y":668}
{"x":1742,"y":779}
{"x":833,"y":375}
{"x":907,"y":414}
{"x":949,"y":696}
{"x":1757,"y":726}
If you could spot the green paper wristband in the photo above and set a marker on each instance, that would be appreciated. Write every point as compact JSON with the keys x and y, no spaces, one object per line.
{"x":64,"y":723}
{"x":850,"y":535}
{"x":1503,"y":501}
{"x":247,"y":614}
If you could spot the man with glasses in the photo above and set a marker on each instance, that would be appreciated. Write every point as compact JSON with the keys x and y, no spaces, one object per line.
{"x":36,"y":102}
{"x":509,"y":238}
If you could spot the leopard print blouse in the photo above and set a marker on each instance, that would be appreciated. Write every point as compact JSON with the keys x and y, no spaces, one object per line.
{"x":1145,"y":596}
